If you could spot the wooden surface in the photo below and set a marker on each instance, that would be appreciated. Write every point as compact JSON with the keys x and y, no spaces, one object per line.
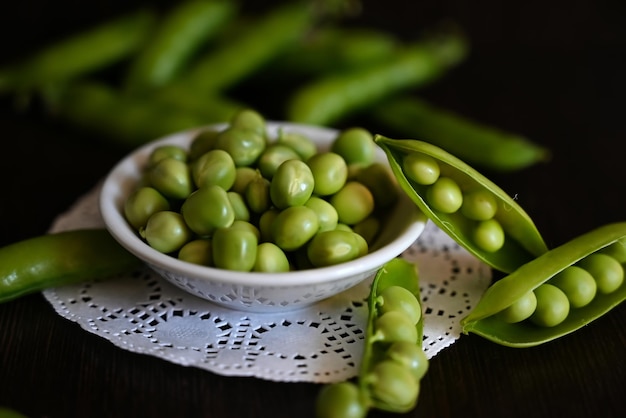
{"x":553,"y":71}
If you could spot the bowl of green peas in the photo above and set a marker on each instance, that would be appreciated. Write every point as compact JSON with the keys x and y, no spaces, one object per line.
{"x":258,"y":215}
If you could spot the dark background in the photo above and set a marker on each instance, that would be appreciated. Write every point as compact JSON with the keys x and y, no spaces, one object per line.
{"x":553,"y":71}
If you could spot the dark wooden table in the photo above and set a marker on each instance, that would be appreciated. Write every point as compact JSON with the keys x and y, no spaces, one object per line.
{"x":553,"y":71}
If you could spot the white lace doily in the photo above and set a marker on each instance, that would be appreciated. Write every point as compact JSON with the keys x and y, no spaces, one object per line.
{"x":143,"y":313}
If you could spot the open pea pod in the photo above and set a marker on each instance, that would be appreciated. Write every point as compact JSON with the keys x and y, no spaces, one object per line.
{"x":521,"y":240}
{"x":485,"y":319}
{"x":393,"y":361}
{"x":397,"y":273}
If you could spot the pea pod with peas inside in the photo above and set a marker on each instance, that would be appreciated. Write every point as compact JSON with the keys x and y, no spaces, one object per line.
{"x":562,"y":299}
{"x":393,"y":361}
{"x":469,"y":207}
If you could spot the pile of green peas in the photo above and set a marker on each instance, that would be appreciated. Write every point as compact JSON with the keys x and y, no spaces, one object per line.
{"x":393,"y":361}
{"x":574,"y":287}
{"x":445,"y":195}
{"x":237,"y":199}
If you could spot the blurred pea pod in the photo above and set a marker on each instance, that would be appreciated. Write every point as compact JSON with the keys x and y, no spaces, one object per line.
{"x":80,"y":54}
{"x":181,"y":33}
{"x":329,"y":98}
{"x":130,"y":121}
{"x":471,"y":141}
{"x":236,"y":58}
{"x":328,"y":49}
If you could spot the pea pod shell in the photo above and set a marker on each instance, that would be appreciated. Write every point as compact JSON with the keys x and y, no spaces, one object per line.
{"x":523,"y":243}
{"x":237,"y":58}
{"x":483,"y":321}
{"x":81,"y":53}
{"x":58,"y":259}
{"x":397,"y":272}
{"x":472,"y":141}
{"x":329,"y":98}
{"x":180,"y":34}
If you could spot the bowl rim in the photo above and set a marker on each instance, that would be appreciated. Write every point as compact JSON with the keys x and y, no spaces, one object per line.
{"x":125,"y":173}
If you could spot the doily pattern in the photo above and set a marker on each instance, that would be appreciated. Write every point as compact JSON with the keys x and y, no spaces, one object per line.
{"x":141,"y":312}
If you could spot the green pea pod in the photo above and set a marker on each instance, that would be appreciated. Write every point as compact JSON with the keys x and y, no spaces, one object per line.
{"x":183,"y":31}
{"x":329,"y":98}
{"x":471,"y":141}
{"x":522,"y":241}
{"x":130,"y":121}
{"x":334,"y":49}
{"x":259,"y":42}
{"x":484,"y":321}
{"x":59,"y":259}
{"x":80,"y":54}
{"x":397,"y":272}
{"x":390,"y":371}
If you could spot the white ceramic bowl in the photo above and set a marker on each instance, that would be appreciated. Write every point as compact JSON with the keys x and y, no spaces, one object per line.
{"x":250,"y":291}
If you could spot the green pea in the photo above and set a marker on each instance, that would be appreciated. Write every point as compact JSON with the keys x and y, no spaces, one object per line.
{"x":355,"y":145}
{"x":240,"y":208}
{"x":617,"y":250}
{"x":244,"y":146}
{"x":270,"y":258}
{"x":343,"y":227}
{"x":552,"y":306}
{"x":445,"y":195}
{"x":249,"y":119}
{"x":198,"y":251}
{"x":392,"y":384}
{"x":300,"y":143}
{"x":607,"y":271}
{"x":379,"y":179}
{"x":340,"y":400}
{"x":203,"y":142}
{"x":243,"y":176}
{"x":421,"y":168}
{"x":166,"y":231}
{"x":248,"y":226}
{"x":171,"y":177}
{"x":354,"y":203}
{"x":368,"y":228}
{"x":273,"y":156}
{"x":292,"y":184}
{"x":489,"y":235}
{"x":293,"y":227}
{"x":328,"y":248}
{"x":330,"y":173}
{"x":214,"y":167}
{"x":410,"y":356}
{"x":520,"y":310}
{"x":479,"y":205}
{"x":207,"y":209}
{"x":577,"y":284}
{"x":398,"y":298}
{"x":167,"y":151}
{"x":142,"y":203}
{"x":394,"y":326}
{"x":266,"y":221}
{"x":326,"y":213}
{"x":361,"y":244}
{"x":257,"y":194}
{"x":234,"y":249}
